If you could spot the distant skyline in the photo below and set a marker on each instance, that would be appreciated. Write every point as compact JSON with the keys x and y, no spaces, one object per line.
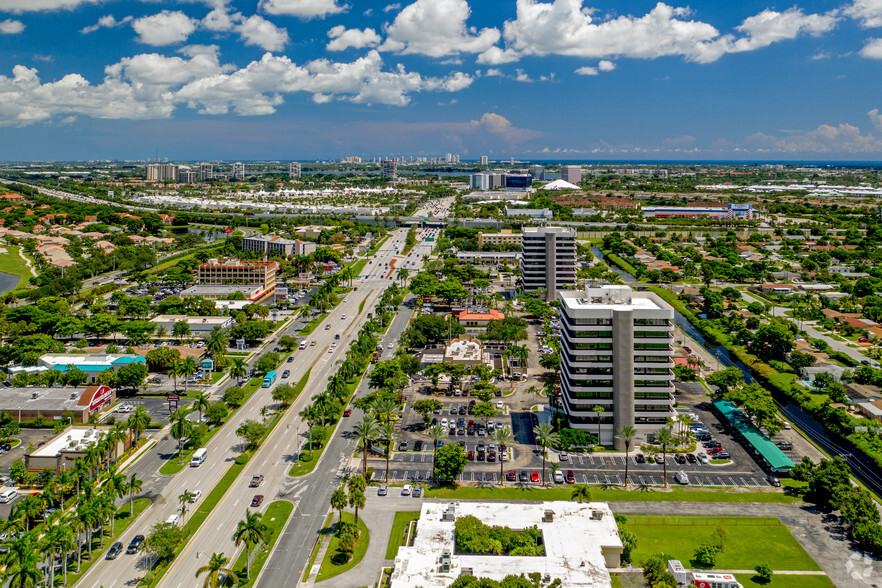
{"x":555,"y":80}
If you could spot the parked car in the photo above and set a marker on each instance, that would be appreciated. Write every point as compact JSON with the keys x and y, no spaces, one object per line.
{"x":511,"y":476}
{"x":558,"y":477}
{"x":382,"y":490}
{"x":639,"y":458}
{"x":680,"y":458}
{"x":681,"y":477}
{"x":523,"y":476}
{"x":534,"y":477}
{"x":417,"y":491}
{"x":406,"y":490}
{"x":564,"y":456}
{"x":659,"y":459}
{"x":774,"y":481}
{"x":402,"y":446}
{"x":571,"y":477}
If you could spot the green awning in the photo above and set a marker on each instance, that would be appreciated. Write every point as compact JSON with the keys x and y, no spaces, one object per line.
{"x":754,"y":436}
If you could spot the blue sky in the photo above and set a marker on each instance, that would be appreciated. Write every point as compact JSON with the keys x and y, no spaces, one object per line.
{"x":553,"y":79}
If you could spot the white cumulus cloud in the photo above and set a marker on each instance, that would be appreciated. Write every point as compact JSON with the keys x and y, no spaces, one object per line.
{"x":302,"y":8}
{"x":606,"y":65}
{"x":343,"y":38}
{"x":165,"y":28}
{"x":437,"y":28}
{"x":11,"y":27}
{"x":868,"y":12}
{"x":105,"y":22}
{"x":256,"y":30}
{"x":587,"y":71}
{"x":19,"y":6}
{"x":872,"y":49}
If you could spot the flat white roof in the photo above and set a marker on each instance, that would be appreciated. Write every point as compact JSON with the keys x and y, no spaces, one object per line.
{"x":83,"y":438}
{"x":608,"y":298}
{"x":574,"y":539}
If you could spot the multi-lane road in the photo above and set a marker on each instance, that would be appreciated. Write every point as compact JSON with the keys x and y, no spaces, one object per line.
{"x":272,"y":460}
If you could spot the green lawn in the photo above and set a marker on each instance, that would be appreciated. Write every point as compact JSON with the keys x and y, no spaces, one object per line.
{"x":12,"y":263}
{"x":358,"y":266}
{"x":787,"y":581}
{"x":309,"y":328}
{"x":399,"y":529}
{"x":750,"y":541}
{"x":275,"y":517}
{"x":330,"y":569}
{"x":318,"y":543}
{"x":123,"y":520}
{"x":563,"y":493}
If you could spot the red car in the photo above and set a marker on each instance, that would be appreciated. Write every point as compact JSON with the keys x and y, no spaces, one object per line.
{"x":347,"y":412}
{"x":534,"y":477}
{"x":511,"y":476}
{"x":714,"y":450}
{"x":471,"y":456}
{"x":257,"y":500}
{"x":571,"y":477}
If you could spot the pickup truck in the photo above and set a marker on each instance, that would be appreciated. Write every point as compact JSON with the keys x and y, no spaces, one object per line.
{"x":255,"y":481}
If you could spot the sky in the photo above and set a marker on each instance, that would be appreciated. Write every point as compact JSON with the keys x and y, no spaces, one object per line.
{"x":543,"y":80}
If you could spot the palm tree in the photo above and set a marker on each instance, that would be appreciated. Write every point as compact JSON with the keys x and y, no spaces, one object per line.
{"x":52,"y":541}
{"x":181,"y":428}
{"x":133,"y":486}
{"x":436,"y":432}
{"x":188,"y":367}
{"x":201,"y":403}
{"x":186,"y":499}
{"x":66,"y":543}
{"x":174,"y":370}
{"x":217,"y":343}
{"x":665,"y":438}
{"x":685,"y":422}
{"x":27,"y":573}
{"x":20,"y":549}
{"x":598,"y":410}
{"x":388,"y":434}
{"x":339,"y":501}
{"x":250,"y":531}
{"x":581,"y":493}
{"x":357,"y":500}
{"x":118,"y":433}
{"x":545,"y":436}
{"x":627,"y":433}
{"x":138,"y":422}
{"x":116,"y":487}
{"x":214,"y":568}
{"x":502,"y":436}
{"x":365,"y":430}
{"x":384,"y":408}
{"x":238,"y":369}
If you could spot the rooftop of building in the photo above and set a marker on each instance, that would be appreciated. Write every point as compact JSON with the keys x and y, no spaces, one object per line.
{"x":48,"y":399}
{"x":174,"y":318}
{"x":272,"y":239}
{"x":238,"y":263}
{"x":481,"y":314}
{"x":574,"y":535}
{"x":613,"y":297}
{"x":98,"y":361}
{"x":217,"y":290}
{"x":543,"y":230}
{"x":73,"y":439}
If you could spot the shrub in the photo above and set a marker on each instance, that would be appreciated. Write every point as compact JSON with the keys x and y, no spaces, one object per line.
{"x":706,"y":555}
{"x":764,"y":573}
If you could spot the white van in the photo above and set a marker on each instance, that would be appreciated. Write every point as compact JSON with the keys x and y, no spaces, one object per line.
{"x":303,"y":345}
{"x":8,"y":496}
{"x":198,"y":457}
{"x":681,"y":477}
{"x":172,"y":520}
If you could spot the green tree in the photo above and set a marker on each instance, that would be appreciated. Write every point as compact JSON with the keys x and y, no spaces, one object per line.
{"x":250,"y":531}
{"x":449,"y":462}
{"x":181,"y":428}
{"x":163,"y":539}
{"x":628,"y":434}
{"x":425,"y":408}
{"x":216,"y":567}
{"x":285,"y":395}
{"x":706,"y":555}
{"x":581,"y":493}
{"x":764,"y":573}
{"x":545,"y":437}
{"x":339,"y":501}
{"x":134,"y":485}
{"x":665,"y":438}
{"x":357,"y":500}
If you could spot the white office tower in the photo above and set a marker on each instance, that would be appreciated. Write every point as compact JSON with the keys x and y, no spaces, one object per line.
{"x":548,"y":259}
{"x":484,"y":160}
{"x":293,"y":170}
{"x":479,"y":182}
{"x":239,"y":171}
{"x":571,"y":173}
{"x":616,"y":353}
{"x":206,"y":171}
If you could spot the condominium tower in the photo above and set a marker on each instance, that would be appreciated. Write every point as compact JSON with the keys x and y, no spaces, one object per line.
{"x":616,"y":354}
{"x":548,"y":259}
{"x":239,"y":170}
{"x":293,"y":170}
{"x":162,"y":172}
{"x":206,"y":171}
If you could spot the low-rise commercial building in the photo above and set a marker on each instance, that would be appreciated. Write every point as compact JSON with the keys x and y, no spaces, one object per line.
{"x":503,"y":237}
{"x":226,"y":272}
{"x":580,"y":540}
{"x":92,"y":365}
{"x":251,"y":293}
{"x":61,"y":453}
{"x":56,"y":403}
{"x":479,"y":317}
{"x":199,"y":325}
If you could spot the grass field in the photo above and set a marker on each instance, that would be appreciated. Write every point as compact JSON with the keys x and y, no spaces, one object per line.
{"x":330,"y":569}
{"x":597,"y":493}
{"x":311,"y":326}
{"x":275,"y":517}
{"x":788,"y":581}
{"x":399,"y":528}
{"x":750,"y":541}
{"x":12,"y":263}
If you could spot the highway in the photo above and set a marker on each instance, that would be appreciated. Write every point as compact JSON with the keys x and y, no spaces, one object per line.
{"x":274,"y":458}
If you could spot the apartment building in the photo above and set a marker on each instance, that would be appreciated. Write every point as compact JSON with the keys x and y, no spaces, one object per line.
{"x":388,"y":169}
{"x":162,"y":172}
{"x":225,"y":272}
{"x":206,"y":171}
{"x":548,"y":259}
{"x":274,"y":246}
{"x":239,"y":170}
{"x":504,"y":237}
{"x":294,"y":170}
{"x":616,"y":353}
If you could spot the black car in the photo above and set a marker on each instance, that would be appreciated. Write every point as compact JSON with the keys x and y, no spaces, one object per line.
{"x":417,"y":445}
{"x":523,"y":476}
{"x":691,"y":458}
{"x":135,"y":544}
{"x":679,"y":458}
{"x":639,"y":458}
{"x":290,"y":359}
{"x":286,"y":373}
{"x":402,"y":446}
{"x":114,"y":550}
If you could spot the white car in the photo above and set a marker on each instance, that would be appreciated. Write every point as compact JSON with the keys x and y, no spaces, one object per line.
{"x":343,"y":317}
{"x":406,"y":490}
{"x":330,"y":350}
{"x":390,"y":345}
{"x":444,"y":423}
{"x":197,"y":494}
{"x":500,"y":405}
{"x":346,"y":299}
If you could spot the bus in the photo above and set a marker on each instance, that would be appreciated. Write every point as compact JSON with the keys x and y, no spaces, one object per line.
{"x":198,"y":457}
{"x":269,"y":379}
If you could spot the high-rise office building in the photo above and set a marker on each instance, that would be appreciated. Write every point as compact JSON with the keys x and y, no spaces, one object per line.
{"x":162,"y":172}
{"x":538,"y":172}
{"x":616,"y":354}
{"x":496,"y":180}
{"x":484,"y":160}
{"x":206,"y":171}
{"x":239,"y":170}
{"x":479,"y":181}
{"x":548,"y":259}
{"x":571,"y":173}
{"x":388,"y":169}
{"x":293,"y":170}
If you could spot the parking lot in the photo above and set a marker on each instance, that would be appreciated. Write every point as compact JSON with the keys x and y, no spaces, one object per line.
{"x":157,"y":406}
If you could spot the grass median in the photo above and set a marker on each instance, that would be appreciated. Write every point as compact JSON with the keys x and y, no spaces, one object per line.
{"x":402,"y":521}
{"x":333,"y":563}
{"x":275,"y":517}
{"x":608,"y":495}
{"x":318,"y":544}
{"x":311,"y":326}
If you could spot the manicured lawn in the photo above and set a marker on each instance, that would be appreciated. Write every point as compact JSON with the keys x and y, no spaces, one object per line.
{"x":275,"y":517}
{"x":12,"y":263}
{"x":750,"y":541}
{"x":597,"y":493}
{"x":309,"y":328}
{"x":788,"y":581}
{"x":301,"y":467}
{"x":330,"y":569}
{"x":399,"y":529}
{"x":357,"y":267}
